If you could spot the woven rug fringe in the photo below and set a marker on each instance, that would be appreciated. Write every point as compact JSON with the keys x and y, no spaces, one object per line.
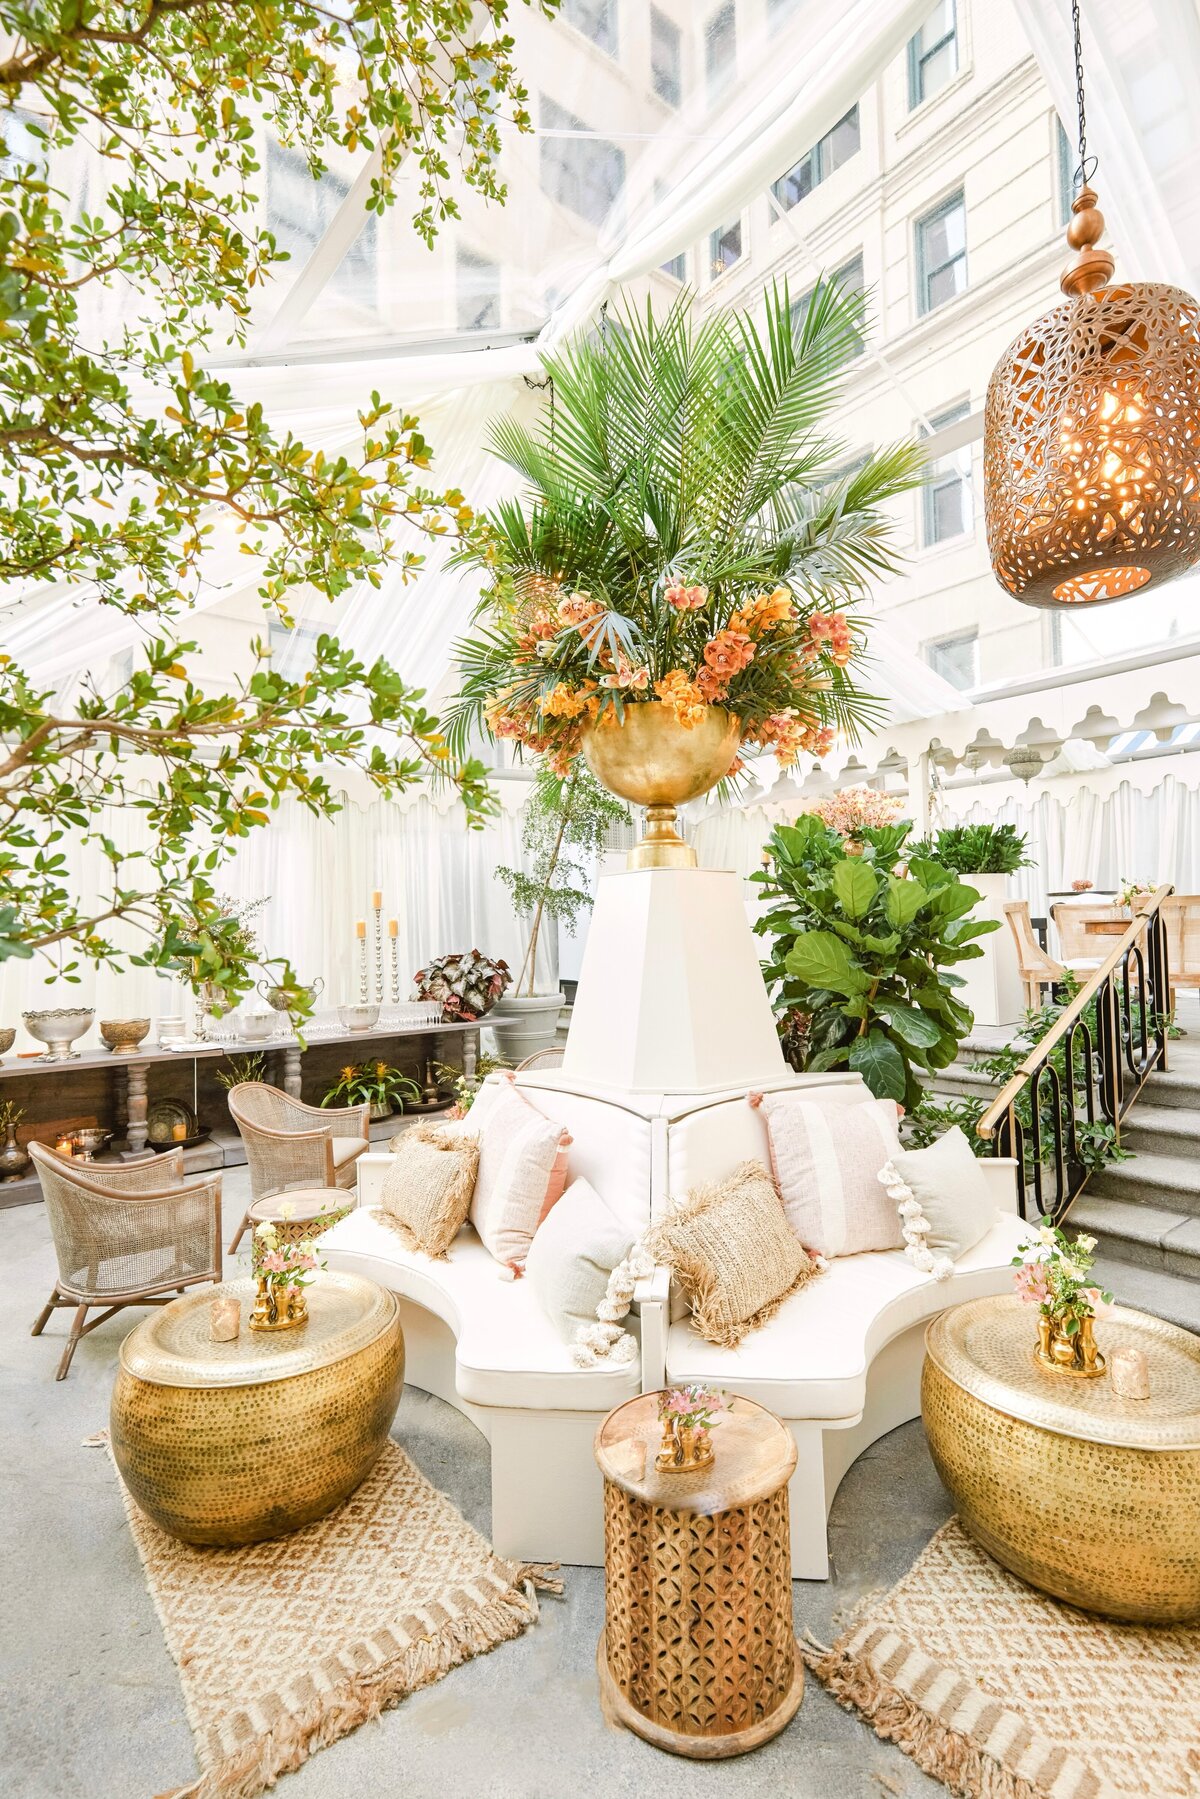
{"x":359,"y":1699}
{"x":962,"y":1767}
{"x":542,"y":1577}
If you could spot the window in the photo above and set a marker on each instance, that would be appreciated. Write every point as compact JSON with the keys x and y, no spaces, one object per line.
{"x":817,"y":164}
{"x":941,"y":254}
{"x":596,"y":19}
{"x":849,"y":278}
{"x":946,"y":496}
{"x":478,"y":291}
{"x":724,"y":248}
{"x":1064,"y":160}
{"x":292,"y":647}
{"x":676,"y":268}
{"x":666,"y":58}
{"x":933,"y":54}
{"x":956,"y":659}
{"x":301,"y":210}
{"x":720,"y":49}
{"x":583,"y":173}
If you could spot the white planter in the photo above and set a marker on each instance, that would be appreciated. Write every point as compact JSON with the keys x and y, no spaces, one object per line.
{"x":993,"y":988}
{"x":522,"y":1026}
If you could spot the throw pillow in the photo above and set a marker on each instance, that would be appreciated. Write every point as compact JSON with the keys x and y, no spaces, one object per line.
{"x":943,"y":1201}
{"x":826,"y":1162}
{"x":581,"y":1266}
{"x":522,"y":1173}
{"x":733,"y":1254}
{"x":426,"y":1192}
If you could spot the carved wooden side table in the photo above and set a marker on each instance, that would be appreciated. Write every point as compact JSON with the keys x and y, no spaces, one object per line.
{"x":697,"y":1654}
{"x":299,"y":1212}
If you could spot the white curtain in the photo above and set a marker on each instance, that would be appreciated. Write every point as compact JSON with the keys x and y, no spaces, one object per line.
{"x":436,"y":877}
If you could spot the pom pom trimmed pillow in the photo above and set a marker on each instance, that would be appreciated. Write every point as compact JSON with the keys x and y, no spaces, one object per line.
{"x":943,"y":1201}
{"x":522,"y":1173}
{"x":581,"y":1267}
{"x":826,"y":1162}
{"x":733,"y":1254}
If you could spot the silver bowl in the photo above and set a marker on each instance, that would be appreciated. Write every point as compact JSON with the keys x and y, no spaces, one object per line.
{"x":91,"y":1141}
{"x":256,"y":1027}
{"x":7,"y":1039}
{"x":358,"y":1018}
{"x":58,"y":1030}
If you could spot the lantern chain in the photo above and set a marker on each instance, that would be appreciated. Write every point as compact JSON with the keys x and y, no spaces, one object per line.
{"x":1083,"y":173}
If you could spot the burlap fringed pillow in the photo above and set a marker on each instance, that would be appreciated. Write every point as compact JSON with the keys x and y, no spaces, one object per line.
{"x":427,"y":1191}
{"x":731,"y":1250}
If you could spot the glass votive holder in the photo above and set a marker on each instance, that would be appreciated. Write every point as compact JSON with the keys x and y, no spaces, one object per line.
{"x":225,"y":1320}
{"x":1129,"y":1373}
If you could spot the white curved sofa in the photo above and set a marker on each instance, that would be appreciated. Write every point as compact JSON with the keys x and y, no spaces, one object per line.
{"x":840,"y":1363}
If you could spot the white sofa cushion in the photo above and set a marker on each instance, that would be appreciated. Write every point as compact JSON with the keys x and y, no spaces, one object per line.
{"x":611,"y":1146}
{"x":712,"y":1138}
{"x":811,"y":1360}
{"x":507,"y":1351}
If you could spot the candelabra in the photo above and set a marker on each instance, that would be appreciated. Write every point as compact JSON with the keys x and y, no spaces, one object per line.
{"x":362,"y":962}
{"x":392,"y":932}
{"x":377,"y":908}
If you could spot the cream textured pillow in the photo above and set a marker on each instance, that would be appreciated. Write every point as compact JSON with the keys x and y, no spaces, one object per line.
{"x":427,"y":1190}
{"x":826,"y":1163}
{"x":943,"y":1199}
{"x":733,"y":1254}
{"x":522,"y":1173}
{"x":583,"y":1268}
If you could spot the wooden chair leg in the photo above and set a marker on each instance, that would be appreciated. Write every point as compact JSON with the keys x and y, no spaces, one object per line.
{"x":238,"y":1234}
{"x":44,"y":1314}
{"x":72,"y":1342}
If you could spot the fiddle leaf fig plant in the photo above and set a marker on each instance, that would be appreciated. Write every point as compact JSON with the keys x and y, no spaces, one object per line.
{"x":861,"y":954}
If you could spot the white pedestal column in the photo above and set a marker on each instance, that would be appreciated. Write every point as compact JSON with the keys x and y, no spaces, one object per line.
{"x":671,"y":997}
{"x":993,"y":983}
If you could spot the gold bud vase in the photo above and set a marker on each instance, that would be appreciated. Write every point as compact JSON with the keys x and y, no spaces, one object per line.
{"x":277,"y":1308}
{"x":685,"y":1449}
{"x":1075,"y":1354}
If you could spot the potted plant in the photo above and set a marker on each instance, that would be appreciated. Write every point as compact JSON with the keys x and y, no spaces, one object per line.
{"x":465,"y":1091}
{"x":986,"y":855}
{"x":564,"y":827}
{"x":863,"y":950}
{"x":677,"y":584}
{"x":463,"y":985}
{"x":372,"y":1083}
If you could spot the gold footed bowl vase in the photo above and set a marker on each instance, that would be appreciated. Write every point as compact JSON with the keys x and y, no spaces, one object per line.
{"x":226,"y":1442}
{"x":651,"y":760}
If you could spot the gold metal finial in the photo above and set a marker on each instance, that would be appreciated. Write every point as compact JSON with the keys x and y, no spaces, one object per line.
{"x":1092,"y":268}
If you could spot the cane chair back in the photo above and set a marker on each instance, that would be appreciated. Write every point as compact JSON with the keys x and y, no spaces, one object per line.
{"x":1036,"y":968}
{"x":543,"y":1058}
{"x":126,"y":1235}
{"x":289,"y":1144}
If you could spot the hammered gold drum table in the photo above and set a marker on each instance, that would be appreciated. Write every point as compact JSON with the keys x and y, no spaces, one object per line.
{"x":697,"y":1653}
{"x":1089,"y":1496}
{"x":238,"y":1441}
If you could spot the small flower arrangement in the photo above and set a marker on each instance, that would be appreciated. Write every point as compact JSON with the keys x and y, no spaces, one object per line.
{"x":1052,"y":1274}
{"x":1082,"y":886}
{"x":465,"y":985}
{"x":856,"y":809}
{"x":285,"y":1264}
{"x":687,"y":1414}
{"x":1132,"y":891}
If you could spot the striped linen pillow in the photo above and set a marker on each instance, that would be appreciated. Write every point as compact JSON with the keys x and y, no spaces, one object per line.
{"x":826,"y":1162}
{"x":522,"y":1173}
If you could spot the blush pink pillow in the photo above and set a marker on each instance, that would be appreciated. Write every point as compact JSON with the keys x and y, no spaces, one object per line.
{"x":522,"y":1173}
{"x":826,"y":1161}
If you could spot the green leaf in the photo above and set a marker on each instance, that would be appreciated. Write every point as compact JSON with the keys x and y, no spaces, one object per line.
{"x":904,"y":901}
{"x":822,"y":959}
{"x":880,"y":1064}
{"x":909,"y":1022}
{"x":855,"y":883}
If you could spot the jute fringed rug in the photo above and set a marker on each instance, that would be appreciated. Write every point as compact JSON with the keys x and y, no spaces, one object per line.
{"x":284,"y":1647}
{"x":1003,"y":1694}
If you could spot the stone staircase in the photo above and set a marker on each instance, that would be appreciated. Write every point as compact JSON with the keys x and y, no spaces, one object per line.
{"x":1144,"y":1213}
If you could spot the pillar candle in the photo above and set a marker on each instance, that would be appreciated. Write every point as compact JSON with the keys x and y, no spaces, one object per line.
{"x":377,"y":899}
{"x":393,"y":927}
{"x":179,"y":1133}
{"x":1130,"y":1374}
{"x":225,"y":1320}
{"x":360,"y":928}
{"x":65,"y":1146}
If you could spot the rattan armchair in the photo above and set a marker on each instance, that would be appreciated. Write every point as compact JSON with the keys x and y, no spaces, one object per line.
{"x":125,"y":1236}
{"x":289,"y":1144}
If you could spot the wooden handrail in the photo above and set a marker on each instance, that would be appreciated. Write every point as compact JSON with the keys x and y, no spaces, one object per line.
{"x":1040,"y":1054}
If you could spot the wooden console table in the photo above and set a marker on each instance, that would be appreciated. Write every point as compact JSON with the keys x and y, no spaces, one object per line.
{"x":450,"y":1042}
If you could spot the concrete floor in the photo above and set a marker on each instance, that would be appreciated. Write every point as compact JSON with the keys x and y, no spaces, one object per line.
{"x":92,"y":1706}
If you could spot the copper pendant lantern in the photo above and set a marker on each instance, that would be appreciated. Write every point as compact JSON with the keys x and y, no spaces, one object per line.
{"x":1091,"y":455}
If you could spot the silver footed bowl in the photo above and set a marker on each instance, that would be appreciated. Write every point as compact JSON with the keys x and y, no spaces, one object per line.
{"x":358,"y":1018}
{"x":7,"y":1038}
{"x":123,"y":1035}
{"x":58,"y":1030}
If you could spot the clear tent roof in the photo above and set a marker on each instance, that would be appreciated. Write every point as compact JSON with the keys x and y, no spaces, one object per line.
{"x":655,"y":127}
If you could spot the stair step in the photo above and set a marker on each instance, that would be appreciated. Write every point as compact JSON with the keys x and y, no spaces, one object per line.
{"x":1168,"y":1131}
{"x":1151,"y":1180}
{"x":1175,"y":1297}
{"x":1149,"y":1236}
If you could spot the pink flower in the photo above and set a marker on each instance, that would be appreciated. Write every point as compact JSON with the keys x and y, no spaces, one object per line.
{"x":1031,"y":1283}
{"x":274,"y":1263}
{"x":1100,"y":1306}
{"x":680,"y":1402}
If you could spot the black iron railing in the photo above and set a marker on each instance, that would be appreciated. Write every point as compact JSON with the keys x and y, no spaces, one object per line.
{"x":1087,"y":1070}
